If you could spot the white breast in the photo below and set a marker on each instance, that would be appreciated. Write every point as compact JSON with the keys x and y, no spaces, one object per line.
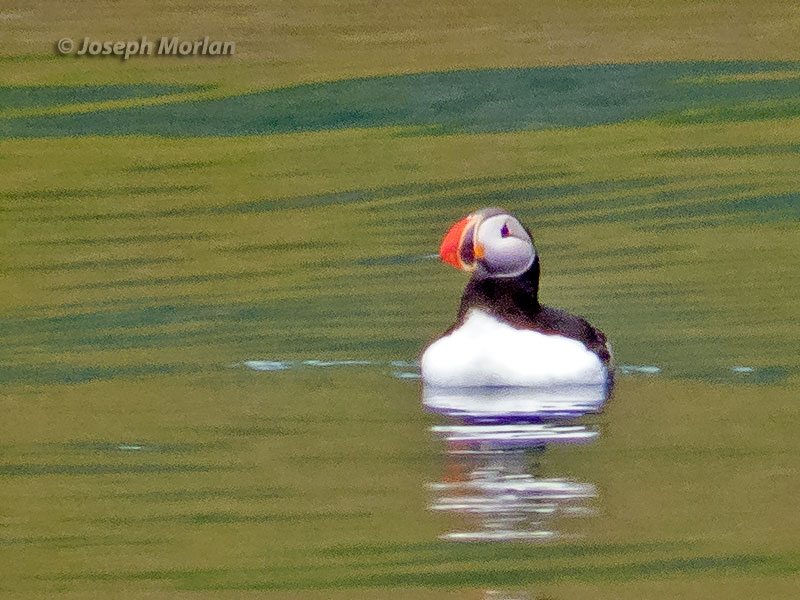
{"x":485,"y":351}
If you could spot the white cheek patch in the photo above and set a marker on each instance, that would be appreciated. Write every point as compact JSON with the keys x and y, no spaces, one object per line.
{"x":514,"y":257}
{"x":509,"y":255}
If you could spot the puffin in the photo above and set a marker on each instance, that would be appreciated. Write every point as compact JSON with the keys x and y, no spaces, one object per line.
{"x":503,"y":335}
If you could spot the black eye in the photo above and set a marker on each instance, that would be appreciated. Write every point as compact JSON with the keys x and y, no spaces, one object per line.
{"x":504,"y":231}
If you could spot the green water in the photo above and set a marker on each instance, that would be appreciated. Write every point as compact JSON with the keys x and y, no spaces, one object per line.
{"x":472,"y":101}
{"x":142,"y":456}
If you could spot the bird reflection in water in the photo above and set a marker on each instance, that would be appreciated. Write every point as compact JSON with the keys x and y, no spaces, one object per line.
{"x":493,"y":438}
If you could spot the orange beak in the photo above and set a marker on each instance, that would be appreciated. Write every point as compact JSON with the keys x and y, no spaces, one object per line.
{"x":450,"y":250}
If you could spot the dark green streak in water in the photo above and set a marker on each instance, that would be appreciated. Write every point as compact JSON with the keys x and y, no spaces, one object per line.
{"x":76,"y":541}
{"x":174,"y":280}
{"x":203,"y":494}
{"x":120,"y":240}
{"x":729,"y":151}
{"x":488,"y":100}
{"x":314,"y":245}
{"x":102,"y":320}
{"x":435,"y":551}
{"x":216,"y":518}
{"x":65,"y":373}
{"x":80,"y":265}
{"x":770,"y":208}
{"x":37,"y":470}
{"x":176,"y":166}
{"x":77,"y":193}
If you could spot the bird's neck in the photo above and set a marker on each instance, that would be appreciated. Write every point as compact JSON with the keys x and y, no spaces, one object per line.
{"x":513,"y":298}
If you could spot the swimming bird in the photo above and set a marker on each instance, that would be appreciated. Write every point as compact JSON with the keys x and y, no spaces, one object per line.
{"x":503,"y":336}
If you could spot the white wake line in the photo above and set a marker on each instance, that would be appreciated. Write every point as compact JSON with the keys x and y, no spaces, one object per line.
{"x":399,"y":368}
{"x":284,"y":365}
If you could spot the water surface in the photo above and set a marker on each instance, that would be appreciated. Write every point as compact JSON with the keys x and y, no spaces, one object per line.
{"x":208,"y":365}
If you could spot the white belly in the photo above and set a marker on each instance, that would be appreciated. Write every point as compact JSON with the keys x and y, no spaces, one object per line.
{"x":485,"y":351}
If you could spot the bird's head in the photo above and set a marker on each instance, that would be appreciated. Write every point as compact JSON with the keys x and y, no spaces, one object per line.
{"x":489,"y":243}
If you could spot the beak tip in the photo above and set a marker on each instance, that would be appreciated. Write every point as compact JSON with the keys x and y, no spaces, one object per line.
{"x":451,"y":243}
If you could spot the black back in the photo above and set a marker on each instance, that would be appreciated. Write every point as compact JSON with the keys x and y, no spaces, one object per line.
{"x":515,"y":300}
